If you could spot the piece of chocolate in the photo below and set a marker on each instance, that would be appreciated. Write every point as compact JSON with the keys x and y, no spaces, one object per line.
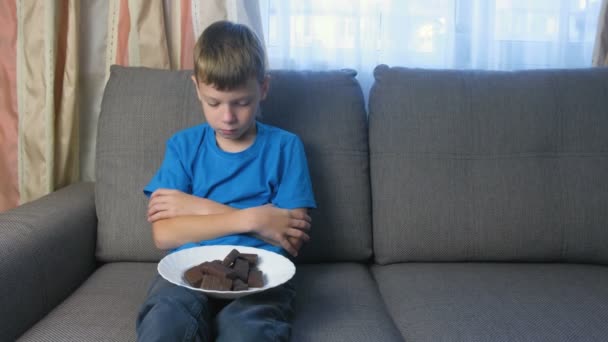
{"x":236,"y":272}
{"x":239,"y":285}
{"x":229,"y":259}
{"x":211,"y":282}
{"x":256,"y":278}
{"x":241,"y":268}
{"x":217,"y":269}
{"x":193,"y":276}
{"x":225,"y":284}
{"x":250,"y":257}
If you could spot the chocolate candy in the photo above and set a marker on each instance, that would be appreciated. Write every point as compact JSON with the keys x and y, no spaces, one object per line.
{"x":229,"y":259}
{"x":211,"y":282}
{"x":241,"y":268}
{"x":251,"y":258}
{"x":255,"y":278}
{"x":239,"y":285}
{"x":217,"y":269}
{"x":237,"y":272}
{"x":194,"y":276}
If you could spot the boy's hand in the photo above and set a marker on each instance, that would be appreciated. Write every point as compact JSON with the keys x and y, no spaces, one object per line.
{"x":280,"y":227}
{"x":168,"y":203}
{"x":294,"y":241}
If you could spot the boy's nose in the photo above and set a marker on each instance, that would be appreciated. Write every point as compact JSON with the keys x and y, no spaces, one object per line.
{"x":228,"y":115}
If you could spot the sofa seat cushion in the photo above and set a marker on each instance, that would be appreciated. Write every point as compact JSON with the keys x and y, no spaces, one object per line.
{"x":335,"y":302}
{"x":496,"y":301}
{"x":340,"y":302}
{"x":104,"y":308}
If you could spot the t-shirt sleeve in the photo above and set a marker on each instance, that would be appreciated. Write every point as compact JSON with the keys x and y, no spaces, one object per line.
{"x":295,"y":187}
{"x":172,"y":174}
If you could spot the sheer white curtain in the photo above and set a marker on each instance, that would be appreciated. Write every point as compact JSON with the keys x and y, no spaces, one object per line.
{"x":466,"y":34}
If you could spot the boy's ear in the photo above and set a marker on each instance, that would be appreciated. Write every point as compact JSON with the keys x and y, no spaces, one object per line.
{"x":198,"y":94}
{"x":264,"y":87}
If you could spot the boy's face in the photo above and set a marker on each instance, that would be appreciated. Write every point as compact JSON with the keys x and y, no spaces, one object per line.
{"x":232,"y":113}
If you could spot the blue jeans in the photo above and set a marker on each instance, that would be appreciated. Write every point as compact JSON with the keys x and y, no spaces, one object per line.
{"x":175,"y":313}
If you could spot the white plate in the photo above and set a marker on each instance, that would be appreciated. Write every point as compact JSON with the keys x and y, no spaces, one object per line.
{"x":276,"y":268}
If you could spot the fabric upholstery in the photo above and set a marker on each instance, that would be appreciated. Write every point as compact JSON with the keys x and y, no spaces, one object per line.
{"x":340,"y":302}
{"x":46,"y":251}
{"x":142,"y":108}
{"x":482,"y":165}
{"x":471,"y":302}
{"x":326,"y":110}
{"x":104,"y":308}
{"x":335,"y":302}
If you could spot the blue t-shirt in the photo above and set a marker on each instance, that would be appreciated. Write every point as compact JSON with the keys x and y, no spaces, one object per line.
{"x":272,"y":170}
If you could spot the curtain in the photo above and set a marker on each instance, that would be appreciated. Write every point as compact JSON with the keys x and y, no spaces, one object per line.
{"x":600,"y":56}
{"x":9,"y":187}
{"x":55,"y":61}
{"x":465,"y":34}
{"x":38,"y":128}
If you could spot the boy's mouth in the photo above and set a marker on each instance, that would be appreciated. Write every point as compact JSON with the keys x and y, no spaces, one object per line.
{"x":228,"y":132}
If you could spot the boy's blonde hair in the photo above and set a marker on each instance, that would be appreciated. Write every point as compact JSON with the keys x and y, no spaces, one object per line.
{"x":227,"y":55}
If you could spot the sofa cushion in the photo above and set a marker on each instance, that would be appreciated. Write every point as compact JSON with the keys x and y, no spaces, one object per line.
{"x":143,"y":107}
{"x":334,"y":302}
{"x":104,"y":308}
{"x":326,"y":110}
{"x":496,"y":302}
{"x":340,"y":302}
{"x":488,"y":165}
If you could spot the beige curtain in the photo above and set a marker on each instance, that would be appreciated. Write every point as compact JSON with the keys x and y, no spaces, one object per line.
{"x":9,"y":187}
{"x":55,"y":61}
{"x":600,"y":54}
{"x":46,"y":90}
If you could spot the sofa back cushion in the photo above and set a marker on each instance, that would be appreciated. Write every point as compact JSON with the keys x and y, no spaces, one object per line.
{"x":143,"y":107}
{"x":140,"y":110}
{"x":327,"y":111}
{"x":489,"y":166}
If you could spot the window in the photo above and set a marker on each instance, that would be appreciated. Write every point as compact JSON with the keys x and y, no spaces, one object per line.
{"x":467,"y":34}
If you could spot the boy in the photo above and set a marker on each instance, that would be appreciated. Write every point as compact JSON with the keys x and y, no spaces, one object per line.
{"x":230,"y":181}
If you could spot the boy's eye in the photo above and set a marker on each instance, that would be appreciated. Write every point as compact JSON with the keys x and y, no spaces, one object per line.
{"x":213,"y":104}
{"x":243,"y":103}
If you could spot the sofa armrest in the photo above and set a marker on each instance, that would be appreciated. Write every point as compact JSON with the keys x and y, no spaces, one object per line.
{"x":47,"y":249}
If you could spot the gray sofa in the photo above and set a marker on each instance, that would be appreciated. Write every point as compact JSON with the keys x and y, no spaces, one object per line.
{"x":471,"y":206}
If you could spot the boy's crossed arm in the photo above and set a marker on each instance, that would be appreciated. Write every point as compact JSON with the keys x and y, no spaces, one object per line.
{"x":179,"y":218}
